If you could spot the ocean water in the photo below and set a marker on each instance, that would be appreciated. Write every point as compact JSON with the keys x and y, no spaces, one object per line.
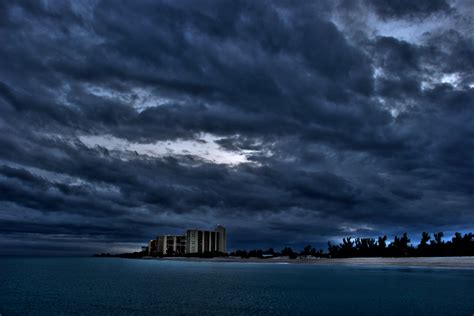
{"x":112,"y":286}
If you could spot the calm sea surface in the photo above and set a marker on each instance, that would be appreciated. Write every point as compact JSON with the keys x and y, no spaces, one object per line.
{"x":102,"y":286}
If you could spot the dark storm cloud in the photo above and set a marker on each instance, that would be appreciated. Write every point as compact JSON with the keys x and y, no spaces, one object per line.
{"x":344,"y":132}
{"x":393,"y":9}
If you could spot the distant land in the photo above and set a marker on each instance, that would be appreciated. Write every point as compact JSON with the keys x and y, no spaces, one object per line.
{"x":458,"y":252}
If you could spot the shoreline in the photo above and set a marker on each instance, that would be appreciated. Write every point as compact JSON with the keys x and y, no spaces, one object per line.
{"x":421,"y":262}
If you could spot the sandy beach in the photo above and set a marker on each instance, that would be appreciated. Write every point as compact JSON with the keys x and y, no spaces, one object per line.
{"x":426,"y":262}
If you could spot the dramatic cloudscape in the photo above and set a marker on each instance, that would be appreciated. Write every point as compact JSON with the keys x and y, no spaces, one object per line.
{"x":288,"y":122}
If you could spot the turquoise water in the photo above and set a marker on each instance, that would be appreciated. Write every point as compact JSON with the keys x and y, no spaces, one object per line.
{"x":55,"y":286}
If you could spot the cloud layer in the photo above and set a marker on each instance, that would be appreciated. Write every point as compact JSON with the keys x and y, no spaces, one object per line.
{"x":286,"y":122}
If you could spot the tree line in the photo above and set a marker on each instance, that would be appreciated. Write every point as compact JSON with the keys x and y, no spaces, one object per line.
{"x":459,"y":245}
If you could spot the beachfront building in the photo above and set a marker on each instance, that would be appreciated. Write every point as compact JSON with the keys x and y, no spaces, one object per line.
{"x":221,"y":239}
{"x":152,"y":247}
{"x":171,"y":245}
{"x":204,"y":241}
{"x":194,"y":241}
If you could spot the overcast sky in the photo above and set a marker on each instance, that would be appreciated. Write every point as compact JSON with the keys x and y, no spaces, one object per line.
{"x":287,"y":122}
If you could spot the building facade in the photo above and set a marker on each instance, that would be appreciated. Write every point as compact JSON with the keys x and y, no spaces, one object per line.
{"x":171,"y":245}
{"x":204,"y":241}
{"x":222,"y":239}
{"x":152,"y":247}
{"x":194,"y":241}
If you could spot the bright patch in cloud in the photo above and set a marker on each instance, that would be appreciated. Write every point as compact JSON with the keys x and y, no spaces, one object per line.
{"x":405,"y":30}
{"x":138,"y":98}
{"x":453,"y":79}
{"x":205,"y":147}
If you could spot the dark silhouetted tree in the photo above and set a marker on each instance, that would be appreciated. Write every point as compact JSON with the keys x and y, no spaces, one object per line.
{"x":423,"y":245}
{"x":381,"y":246}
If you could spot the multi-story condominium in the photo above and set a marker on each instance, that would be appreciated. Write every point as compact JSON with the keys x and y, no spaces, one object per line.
{"x":152,"y":247}
{"x":221,"y":239}
{"x":195,"y":241}
{"x":202,"y":241}
{"x":171,"y":244}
